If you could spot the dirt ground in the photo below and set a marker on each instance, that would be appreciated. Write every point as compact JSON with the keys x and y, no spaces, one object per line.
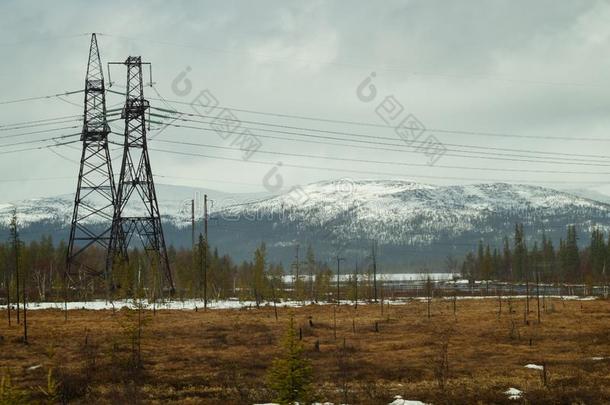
{"x":221,"y":356}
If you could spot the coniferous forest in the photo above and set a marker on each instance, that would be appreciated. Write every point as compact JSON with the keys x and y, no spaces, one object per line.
{"x":38,"y":267}
{"x":518,"y":260}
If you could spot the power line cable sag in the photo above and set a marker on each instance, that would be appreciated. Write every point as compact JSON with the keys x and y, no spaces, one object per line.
{"x":38,"y":140}
{"x":317,"y":130}
{"x":39,"y":147}
{"x":379,"y":162}
{"x":368,"y":172}
{"x":45,"y":121}
{"x":21,"y":100}
{"x":39,"y":132}
{"x":487,"y":156}
{"x":375,"y":125}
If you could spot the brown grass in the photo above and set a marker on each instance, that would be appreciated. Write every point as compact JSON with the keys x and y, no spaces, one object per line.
{"x":221,"y":356}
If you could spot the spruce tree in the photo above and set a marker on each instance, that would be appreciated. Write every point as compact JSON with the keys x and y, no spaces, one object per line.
{"x":572,"y":254}
{"x":520,"y":254}
{"x":597,"y":252}
{"x":290,"y":375}
{"x":548,"y":258}
{"x":507,"y":260}
{"x":310,"y":263}
{"x":258,"y":279}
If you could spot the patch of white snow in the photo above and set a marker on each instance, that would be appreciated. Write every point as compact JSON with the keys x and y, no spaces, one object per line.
{"x":513,"y":393}
{"x":534,"y":366}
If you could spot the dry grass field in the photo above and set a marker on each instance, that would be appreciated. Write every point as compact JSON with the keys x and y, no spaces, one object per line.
{"x":221,"y":356}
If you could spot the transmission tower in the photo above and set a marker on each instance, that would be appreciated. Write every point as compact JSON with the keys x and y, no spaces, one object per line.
{"x":95,"y":193}
{"x":136,"y":210}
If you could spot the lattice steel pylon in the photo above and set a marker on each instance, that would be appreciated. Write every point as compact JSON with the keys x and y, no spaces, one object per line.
{"x":95,"y":191}
{"x":136,"y":209}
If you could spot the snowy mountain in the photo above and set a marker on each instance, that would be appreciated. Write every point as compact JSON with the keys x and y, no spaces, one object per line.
{"x":174,"y":203}
{"x":414,"y":223}
{"x":407,"y":212}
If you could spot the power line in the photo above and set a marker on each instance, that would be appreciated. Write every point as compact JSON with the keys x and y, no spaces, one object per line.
{"x":39,"y":147}
{"x":43,"y":39}
{"x":34,"y":179}
{"x":38,"y":132}
{"x":367,"y":172}
{"x":43,"y":130}
{"x":38,"y":140}
{"x":375,"y":125}
{"x":486,"y":156}
{"x":21,"y":100}
{"x":45,"y":121}
{"x":241,"y":183}
{"x":61,"y":156}
{"x":358,"y":135}
{"x":384,"y":162}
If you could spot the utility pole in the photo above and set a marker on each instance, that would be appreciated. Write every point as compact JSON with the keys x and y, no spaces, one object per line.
{"x":295,"y":284}
{"x":136,"y":187}
{"x":205,"y":251}
{"x":15,"y":243}
{"x":374,"y":257}
{"x":7,"y":284}
{"x":356,"y":286}
{"x":192,"y":225}
{"x":538,"y":293}
{"x":339,"y":260}
{"x":94,"y":200}
{"x":16,"y":253}
{"x":205,"y":215}
{"x":25,"y":305}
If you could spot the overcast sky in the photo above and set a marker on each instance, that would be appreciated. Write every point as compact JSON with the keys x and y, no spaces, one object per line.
{"x":520,"y":68}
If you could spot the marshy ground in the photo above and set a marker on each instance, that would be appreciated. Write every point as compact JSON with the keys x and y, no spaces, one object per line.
{"x":359,"y":355}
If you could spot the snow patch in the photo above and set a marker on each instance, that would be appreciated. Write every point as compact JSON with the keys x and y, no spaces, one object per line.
{"x":398,"y":400}
{"x":36,"y":367}
{"x":534,"y":366}
{"x":236,"y":304}
{"x":513,"y":393}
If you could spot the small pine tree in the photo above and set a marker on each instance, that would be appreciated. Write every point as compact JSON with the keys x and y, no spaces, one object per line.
{"x":290,"y":375}
{"x":10,"y":394}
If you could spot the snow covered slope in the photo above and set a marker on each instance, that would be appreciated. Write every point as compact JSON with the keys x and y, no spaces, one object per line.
{"x":174,"y":204}
{"x":411,"y":221}
{"x":407,"y":212}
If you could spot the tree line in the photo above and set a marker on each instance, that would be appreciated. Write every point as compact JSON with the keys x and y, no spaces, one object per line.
{"x":37,"y":269}
{"x":516,"y":260}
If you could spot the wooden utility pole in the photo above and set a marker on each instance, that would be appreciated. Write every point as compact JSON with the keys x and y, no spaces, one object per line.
{"x":339,"y":259}
{"x":8,"y":300}
{"x":295,"y":283}
{"x":7,"y":284}
{"x":274,"y":297}
{"x":374,"y":257}
{"x":205,"y":252}
{"x":538,"y":293}
{"x":205,"y":216}
{"x":15,"y":243}
{"x":25,"y":306}
{"x":527,"y":295}
{"x":16,"y":248}
{"x":192,"y":225}
{"x":356,"y":286}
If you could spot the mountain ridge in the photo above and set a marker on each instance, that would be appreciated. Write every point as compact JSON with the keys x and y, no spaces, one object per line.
{"x":414,"y":223}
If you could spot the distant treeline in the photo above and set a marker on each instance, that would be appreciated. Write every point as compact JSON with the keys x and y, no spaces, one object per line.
{"x":516,"y":261}
{"x":39,"y":267}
